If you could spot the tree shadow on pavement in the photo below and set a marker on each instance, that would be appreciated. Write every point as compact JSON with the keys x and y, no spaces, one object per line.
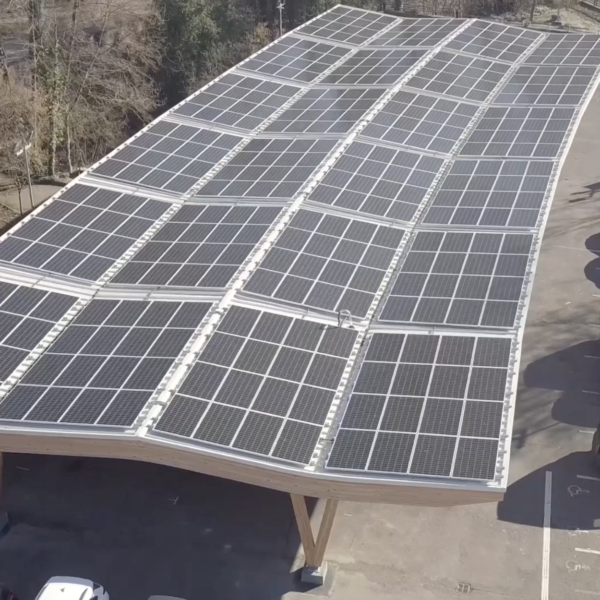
{"x":524,"y":500}
{"x":575,"y":372}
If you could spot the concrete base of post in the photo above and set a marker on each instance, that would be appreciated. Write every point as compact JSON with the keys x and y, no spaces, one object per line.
{"x":314,"y":575}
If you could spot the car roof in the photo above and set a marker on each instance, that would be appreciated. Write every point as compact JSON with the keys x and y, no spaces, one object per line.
{"x":67,"y":588}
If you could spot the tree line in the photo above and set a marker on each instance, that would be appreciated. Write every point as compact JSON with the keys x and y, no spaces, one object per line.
{"x":78,"y":77}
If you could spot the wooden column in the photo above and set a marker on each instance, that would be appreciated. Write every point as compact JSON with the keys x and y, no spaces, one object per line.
{"x":314,"y":552}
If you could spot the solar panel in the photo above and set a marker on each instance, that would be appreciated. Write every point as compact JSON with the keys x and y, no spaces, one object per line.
{"x":571,"y":49}
{"x":553,"y":85}
{"x":484,"y":193}
{"x":374,"y":67}
{"x":200,"y":246}
{"x":269,"y":168}
{"x":295,"y":59}
{"x":26,"y":316}
{"x":453,"y":278}
{"x":528,"y":132}
{"x":239,"y":101}
{"x":493,"y":40}
{"x":105,"y":365}
{"x":378,"y":181}
{"x":348,"y":25}
{"x":82,"y":233}
{"x":333,"y":111}
{"x":418,"y":32}
{"x":459,"y":76}
{"x":420,"y":121}
{"x":426,"y":405}
{"x":327,"y":262}
{"x":263,"y":384}
{"x":168,"y":156}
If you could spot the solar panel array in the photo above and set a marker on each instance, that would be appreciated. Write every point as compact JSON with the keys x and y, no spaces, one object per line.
{"x":82,"y":233}
{"x":326,"y":254}
{"x":426,"y":405}
{"x":26,"y":316}
{"x":288,"y":369}
{"x":374,"y":67}
{"x":238,"y":101}
{"x":493,"y":40}
{"x":105,"y":367}
{"x":328,"y":262}
{"x":348,"y":25}
{"x":474,"y":279}
{"x":200,"y":246}
{"x":168,"y":156}
{"x":425,"y":33}
{"x":430,"y":397}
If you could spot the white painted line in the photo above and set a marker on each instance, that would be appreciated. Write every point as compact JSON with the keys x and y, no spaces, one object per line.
{"x":588,"y":477}
{"x":588,"y":592}
{"x":590,"y":431}
{"x":587,"y":550}
{"x":546,"y":546}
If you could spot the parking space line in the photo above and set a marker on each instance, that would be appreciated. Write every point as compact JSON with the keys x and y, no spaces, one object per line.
{"x":588,"y":477}
{"x":546,"y":546}
{"x":588,"y":592}
{"x":587,"y":550}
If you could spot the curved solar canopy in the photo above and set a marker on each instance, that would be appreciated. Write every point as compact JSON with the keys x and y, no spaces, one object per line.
{"x":313,"y":273}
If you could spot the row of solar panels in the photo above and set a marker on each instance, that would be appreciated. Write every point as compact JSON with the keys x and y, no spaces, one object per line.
{"x":266,"y":382}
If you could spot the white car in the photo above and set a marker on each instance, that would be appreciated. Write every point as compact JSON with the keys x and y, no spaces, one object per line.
{"x":72,"y":588}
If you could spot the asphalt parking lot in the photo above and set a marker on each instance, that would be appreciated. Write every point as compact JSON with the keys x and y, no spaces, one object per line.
{"x":142,"y":529}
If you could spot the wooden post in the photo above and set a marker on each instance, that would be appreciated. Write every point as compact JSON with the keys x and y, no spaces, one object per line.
{"x":313,"y":552}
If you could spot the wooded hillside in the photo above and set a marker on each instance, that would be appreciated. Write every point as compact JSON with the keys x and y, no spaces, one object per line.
{"x":80,"y":76}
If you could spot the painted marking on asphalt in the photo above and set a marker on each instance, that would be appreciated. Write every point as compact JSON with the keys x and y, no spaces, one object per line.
{"x":546,"y":545}
{"x":573,"y":566}
{"x":588,"y":477}
{"x":575,"y":490}
{"x":587,"y":550}
{"x":589,"y":592}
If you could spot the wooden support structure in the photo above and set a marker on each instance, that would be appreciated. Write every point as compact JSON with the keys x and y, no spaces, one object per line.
{"x":314,"y":551}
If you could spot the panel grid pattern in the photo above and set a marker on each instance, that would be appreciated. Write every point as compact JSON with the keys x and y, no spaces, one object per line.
{"x":333,"y":111}
{"x":296,"y":59}
{"x":238,"y":101}
{"x":472,"y":279}
{"x":344,"y":24}
{"x":492,"y":40}
{"x":199,"y":246}
{"x":426,"y":405}
{"x":418,"y":32}
{"x":327,"y":262}
{"x":269,"y":168}
{"x":420,"y":121}
{"x":571,"y":49}
{"x":168,"y":156}
{"x":378,"y":181}
{"x":552,"y":85}
{"x":491,"y":193}
{"x":83,"y":232}
{"x":26,"y":316}
{"x":528,"y":132}
{"x":374,"y":67}
{"x":459,"y":76}
{"x":263,"y":384}
{"x":105,"y":365}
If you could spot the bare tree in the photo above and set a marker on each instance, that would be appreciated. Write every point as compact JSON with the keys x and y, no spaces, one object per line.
{"x":90,"y":68}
